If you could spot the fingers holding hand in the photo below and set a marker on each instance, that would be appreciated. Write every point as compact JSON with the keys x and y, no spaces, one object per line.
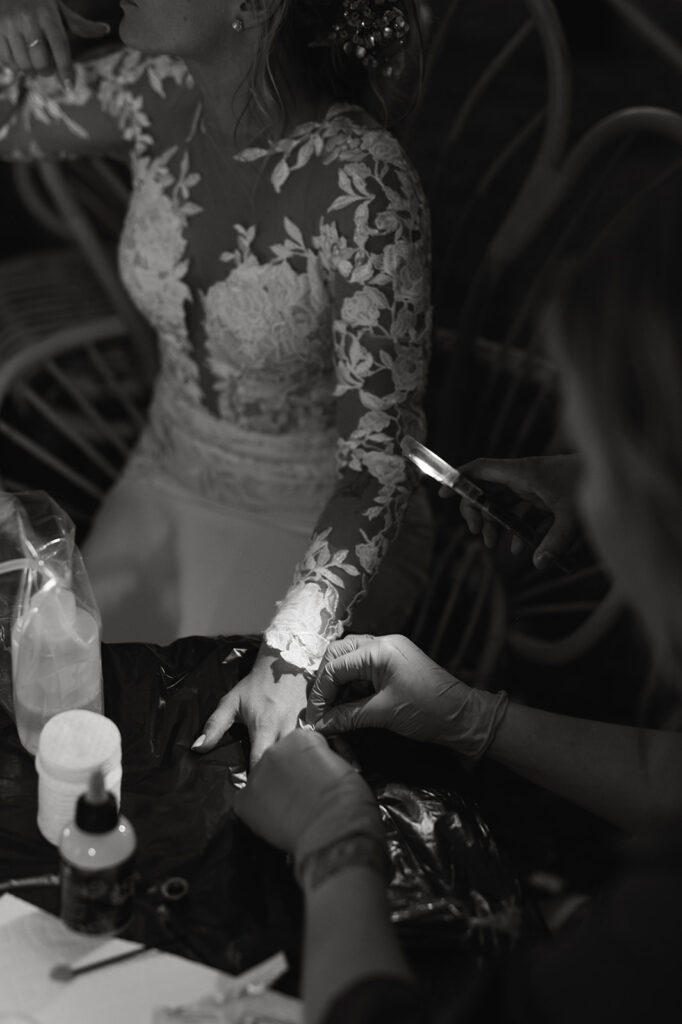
{"x":346,"y":661}
{"x":293,"y":785}
{"x":394,"y":669}
{"x":301,"y":756}
{"x":324,"y":693}
{"x":346,"y":645}
{"x":347,"y":717}
{"x":265,"y":804}
{"x":412,"y":695}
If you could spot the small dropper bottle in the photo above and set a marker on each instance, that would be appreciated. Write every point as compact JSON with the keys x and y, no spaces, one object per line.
{"x":97,"y":853}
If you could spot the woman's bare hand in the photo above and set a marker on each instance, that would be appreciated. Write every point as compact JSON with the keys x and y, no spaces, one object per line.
{"x":268,"y":701}
{"x":33,"y":36}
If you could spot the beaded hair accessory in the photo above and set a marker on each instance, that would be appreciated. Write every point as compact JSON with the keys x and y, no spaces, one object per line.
{"x":371,"y":30}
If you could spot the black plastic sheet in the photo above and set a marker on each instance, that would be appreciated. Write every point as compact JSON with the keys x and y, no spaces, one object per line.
{"x":452,"y":897}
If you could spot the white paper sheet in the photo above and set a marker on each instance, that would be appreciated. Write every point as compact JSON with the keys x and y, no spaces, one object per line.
{"x":12,"y":907}
{"x":128,"y":993}
{"x":32,"y":942}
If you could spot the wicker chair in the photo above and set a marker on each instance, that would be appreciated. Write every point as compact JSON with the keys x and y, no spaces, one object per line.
{"x":542,"y":186}
{"x":76,"y":359}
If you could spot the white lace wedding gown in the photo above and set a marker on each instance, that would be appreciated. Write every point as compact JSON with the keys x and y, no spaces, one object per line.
{"x":288,"y":285}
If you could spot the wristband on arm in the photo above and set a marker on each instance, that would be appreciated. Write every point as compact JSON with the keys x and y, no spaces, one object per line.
{"x":357,"y":850}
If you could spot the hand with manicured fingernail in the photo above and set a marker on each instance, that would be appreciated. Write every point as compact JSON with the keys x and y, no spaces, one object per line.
{"x":33,"y":36}
{"x":407,"y":693}
{"x":548,"y":481}
{"x":267,"y":701}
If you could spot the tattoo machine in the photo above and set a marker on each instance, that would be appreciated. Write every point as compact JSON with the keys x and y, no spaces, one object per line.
{"x":431,"y":465}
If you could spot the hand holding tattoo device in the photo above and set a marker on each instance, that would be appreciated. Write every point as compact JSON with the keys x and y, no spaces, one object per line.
{"x":431,"y":465}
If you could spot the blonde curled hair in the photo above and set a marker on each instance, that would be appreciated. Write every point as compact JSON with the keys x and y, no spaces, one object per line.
{"x":616,"y":327}
{"x":298,"y":31}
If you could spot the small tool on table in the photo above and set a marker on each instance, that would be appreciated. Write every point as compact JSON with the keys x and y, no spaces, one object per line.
{"x":65,"y":972}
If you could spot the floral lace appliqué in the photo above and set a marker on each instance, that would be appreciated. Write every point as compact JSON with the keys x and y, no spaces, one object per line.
{"x":311,"y":347}
{"x":267,"y":329}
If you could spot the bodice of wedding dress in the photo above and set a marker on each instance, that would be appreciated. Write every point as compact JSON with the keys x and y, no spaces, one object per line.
{"x":288,"y":283}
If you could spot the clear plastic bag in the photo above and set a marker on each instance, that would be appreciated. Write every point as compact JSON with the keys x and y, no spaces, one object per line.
{"x":48,"y":616}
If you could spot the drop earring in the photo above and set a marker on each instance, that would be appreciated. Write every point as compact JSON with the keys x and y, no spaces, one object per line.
{"x":238,"y":23}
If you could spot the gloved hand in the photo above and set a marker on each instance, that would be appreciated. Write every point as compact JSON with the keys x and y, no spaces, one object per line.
{"x":303,"y":798}
{"x":547,"y":481}
{"x":409,"y":694}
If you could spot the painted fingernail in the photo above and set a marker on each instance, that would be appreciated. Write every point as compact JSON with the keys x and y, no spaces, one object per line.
{"x":543,"y":560}
{"x":199,"y":741}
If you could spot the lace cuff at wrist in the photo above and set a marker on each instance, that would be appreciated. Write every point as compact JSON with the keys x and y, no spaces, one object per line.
{"x":303,"y":650}
{"x":359,"y":850}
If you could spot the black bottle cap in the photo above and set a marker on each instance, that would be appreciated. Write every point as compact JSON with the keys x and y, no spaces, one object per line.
{"x":96,"y":810}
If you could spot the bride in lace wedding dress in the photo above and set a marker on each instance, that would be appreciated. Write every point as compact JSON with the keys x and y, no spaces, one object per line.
{"x":277,"y":241}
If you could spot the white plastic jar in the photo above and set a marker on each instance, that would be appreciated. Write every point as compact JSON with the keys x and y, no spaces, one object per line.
{"x":72,"y":745}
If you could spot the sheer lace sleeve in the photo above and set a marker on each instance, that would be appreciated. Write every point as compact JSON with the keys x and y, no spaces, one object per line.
{"x":103,"y":112}
{"x":374,"y":244}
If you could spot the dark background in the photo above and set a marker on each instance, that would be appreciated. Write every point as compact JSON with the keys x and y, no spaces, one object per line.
{"x":612,"y":68}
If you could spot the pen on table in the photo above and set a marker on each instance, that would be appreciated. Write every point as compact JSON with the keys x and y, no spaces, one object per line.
{"x":431,"y":465}
{"x":64,"y":972}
